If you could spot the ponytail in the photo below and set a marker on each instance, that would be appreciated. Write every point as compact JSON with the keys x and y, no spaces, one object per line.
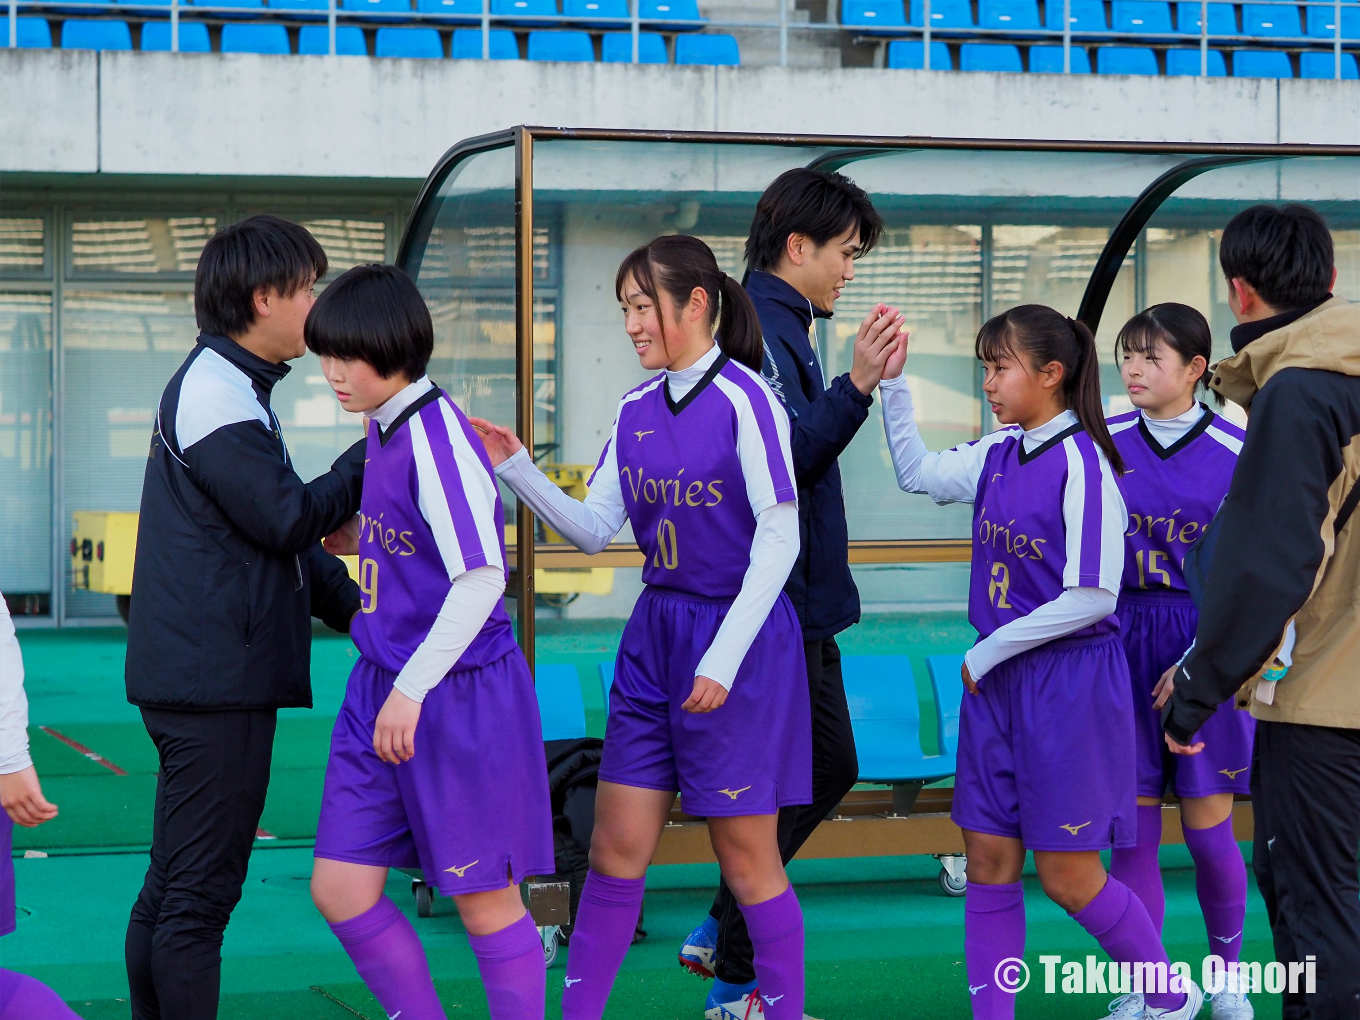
{"x":1043,"y":336}
{"x":677,"y":263}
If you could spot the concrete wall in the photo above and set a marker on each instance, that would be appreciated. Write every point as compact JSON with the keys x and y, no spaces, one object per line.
{"x":337,"y":117}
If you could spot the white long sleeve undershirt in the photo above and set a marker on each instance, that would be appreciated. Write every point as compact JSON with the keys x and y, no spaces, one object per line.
{"x":1168,"y":431}
{"x":953,"y":478}
{"x":13,"y":701}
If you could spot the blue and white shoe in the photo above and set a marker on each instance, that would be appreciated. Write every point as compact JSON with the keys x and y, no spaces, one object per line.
{"x":1231,"y":1006}
{"x":734,"y":1002}
{"x":696,"y":955}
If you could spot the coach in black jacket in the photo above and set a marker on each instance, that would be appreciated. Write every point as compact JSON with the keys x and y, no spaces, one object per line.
{"x":808,"y":229}
{"x":228,"y":574}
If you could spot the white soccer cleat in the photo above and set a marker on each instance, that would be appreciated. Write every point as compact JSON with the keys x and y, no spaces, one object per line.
{"x":1126,"y":1007}
{"x":1194,"y":1002}
{"x":748,"y":1007}
{"x":1231,"y":1006}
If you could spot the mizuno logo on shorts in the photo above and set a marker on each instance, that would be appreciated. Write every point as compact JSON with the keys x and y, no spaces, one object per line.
{"x":459,"y":871}
{"x":1074,"y":829}
{"x":734,"y":794}
{"x":1231,"y":773}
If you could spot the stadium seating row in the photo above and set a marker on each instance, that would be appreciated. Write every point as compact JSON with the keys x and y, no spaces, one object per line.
{"x":1136,"y":17}
{"x":1184,"y":61}
{"x":672,"y":14}
{"x":616,"y":47}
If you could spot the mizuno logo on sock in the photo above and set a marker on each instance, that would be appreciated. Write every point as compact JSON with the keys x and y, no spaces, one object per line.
{"x":459,"y":871}
{"x":974,"y":989}
{"x":568,"y":982}
{"x":1230,"y":938}
{"x":734,"y":794}
{"x":393,"y":1016}
{"x":1231,"y":773}
{"x":1074,"y":829}
{"x":772,"y":999}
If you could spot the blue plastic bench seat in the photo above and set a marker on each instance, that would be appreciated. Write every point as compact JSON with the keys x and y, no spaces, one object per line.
{"x":1322,"y":22}
{"x":1049,"y":60}
{"x":946,"y":683}
{"x":908,"y":54}
{"x":568,"y":46}
{"x":617,"y":48}
{"x":193,"y":37}
{"x":1185,"y":62}
{"x":397,"y":9}
{"x":315,"y":41}
{"x":676,"y":15}
{"x":1085,"y":15}
{"x":542,"y":12}
{"x":1261,"y":64}
{"x":615,"y":9}
{"x":989,"y":57}
{"x":873,"y":14}
{"x":606,"y":682}
{"x":255,"y":39}
{"x":1142,"y":17}
{"x":1125,"y":60}
{"x":886,"y":718}
{"x":417,"y":43}
{"x":1271,"y":21}
{"x":1008,"y":15}
{"x":712,"y":50}
{"x":85,"y":34}
{"x":1323,"y":65}
{"x":943,"y":14}
{"x":302,"y":8}
{"x":467,"y":44}
{"x":1222,"y":19}
{"x":560,"y":706}
{"x":29,"y":33}
{"x":460,"y":11}
{"x":249,"y":6}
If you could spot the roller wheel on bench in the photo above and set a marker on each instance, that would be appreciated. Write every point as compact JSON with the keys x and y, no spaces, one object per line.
{"x":424,"y":898}
{"x":550,"y":936}
{"x":953,"y":886}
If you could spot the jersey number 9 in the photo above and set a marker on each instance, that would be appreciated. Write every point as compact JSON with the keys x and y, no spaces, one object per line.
{"x":368,"y":585}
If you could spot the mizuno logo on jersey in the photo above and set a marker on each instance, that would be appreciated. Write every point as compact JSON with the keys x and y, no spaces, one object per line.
{"x":1231,"y":773}
{"x":734,"y":794}
{"x":641,"y":434}
{"x":1074,"y":829}
{"x":459,"y":871}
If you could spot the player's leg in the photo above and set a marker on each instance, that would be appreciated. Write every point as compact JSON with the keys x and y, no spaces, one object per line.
{"x":1138,"y":867}
{"x":993,"y":920}
{"x":509,"y":952}
{"x":1221,"y":885}
{"x":628,"y":824}
{"x":146,"y":911}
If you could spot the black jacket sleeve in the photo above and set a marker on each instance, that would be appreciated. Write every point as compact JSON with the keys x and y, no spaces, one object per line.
{"x":335,"y":596}
{"x":240,"y":469}
{"x":1269,"y":547}
{"x":820,"y":429}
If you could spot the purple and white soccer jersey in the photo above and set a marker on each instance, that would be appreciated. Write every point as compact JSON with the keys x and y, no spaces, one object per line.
{"x":693,"y":475}
{"x":1172,"y":493}
{"x":471,"y":807}
{"x":1038,"y":759}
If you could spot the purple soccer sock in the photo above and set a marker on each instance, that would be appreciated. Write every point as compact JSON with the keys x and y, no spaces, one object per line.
{"x":1137,"y":866}
{"x":993,"y":930}
{"x":511,"y":964}
{"x":26,"y":998}
{"x":1117,"y":919}
{"x":605,"y":922}
{"x":776,"y":930}
{"x":388,"y":956}
{"x":1221,"y":881}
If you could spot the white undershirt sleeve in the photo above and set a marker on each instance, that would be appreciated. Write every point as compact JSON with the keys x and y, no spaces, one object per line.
{"x":469,"y":603}
{"x":1074,"y":609}
{"x":590,"y":525}
{"x":13,"y":702}
{"x":774,"y":550}
{"x":948,"y":477}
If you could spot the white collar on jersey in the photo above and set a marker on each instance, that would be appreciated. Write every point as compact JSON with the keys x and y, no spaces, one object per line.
{"x":1037,"y":437}
{"x":390,"y":410}
{"x":678,"y":384}
{"x":1168,"y":431}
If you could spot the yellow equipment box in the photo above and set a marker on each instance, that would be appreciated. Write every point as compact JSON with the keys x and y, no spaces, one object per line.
{"x":103,"y":546}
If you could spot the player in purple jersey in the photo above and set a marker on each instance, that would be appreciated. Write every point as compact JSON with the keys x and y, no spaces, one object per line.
{"x":1179,"y":457}
{"x":468,"y":802}
{"x":1038,"y":765}
{"x":710,"y":693}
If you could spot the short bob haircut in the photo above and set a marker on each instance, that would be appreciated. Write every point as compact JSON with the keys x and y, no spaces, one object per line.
{"x":1286,"y":253}
{"x":817,"y":203}
{"x":373,"y":313}
{"x":260,"y":251}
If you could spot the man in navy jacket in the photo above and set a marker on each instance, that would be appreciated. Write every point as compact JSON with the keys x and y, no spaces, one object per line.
{"x":809,"y":227}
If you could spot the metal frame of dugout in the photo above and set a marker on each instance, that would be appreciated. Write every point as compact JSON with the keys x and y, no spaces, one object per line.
{"x":866,"y":823}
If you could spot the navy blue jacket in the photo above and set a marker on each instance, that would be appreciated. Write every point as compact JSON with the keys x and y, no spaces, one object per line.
{"x":823,"y":420}
{"x":229,"y":569}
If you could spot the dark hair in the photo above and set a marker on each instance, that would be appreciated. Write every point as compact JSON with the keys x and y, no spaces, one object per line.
{"x":1285,"y":253}
{"x":1044,"y":335}
{"x":375,"y":314}
{"x":817,"y":203}
{"x":677,"y":263}
{"x":260,"y":251}
{"x":1180,"y":327}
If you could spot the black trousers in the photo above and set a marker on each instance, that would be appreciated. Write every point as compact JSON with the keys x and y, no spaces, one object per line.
{"x":1305,"y":791}
{"x":209,"y":797}
{"x":834,"y":771}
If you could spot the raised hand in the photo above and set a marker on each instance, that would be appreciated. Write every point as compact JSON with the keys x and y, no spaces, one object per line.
{"x":874,"y":342}
{"x":897,"y":358}
{"x":501,"y":443}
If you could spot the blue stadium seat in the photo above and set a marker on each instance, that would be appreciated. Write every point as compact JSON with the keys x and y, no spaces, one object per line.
{"x":946,"y":683}
{"x":315,"y":41}
{"x":1125,"y":60}
{"x":250,"y":6}
{"x":1142,"y":17}
{"x":420,"y":43}
{"x":255,"y":39}
{"x":462,"y":11}
{"x":617,"y":9}
{"x":989,"y":57}
{"x":193,"y":37}
{"x":1322,"y":22}
{"x":302,"y":8}
{"x":1185,"y":63}
{"x":399,"y":9}
{"x":560,"y":705}
{"x":1222,"y":19}
{"x":943,"y":14}
{"x":908,"y":54}
{"x":1049,"y":60}
{"x":568,"y":46}
{"x":1009,"y":15}
{"x":617,"y":48}
{"x":872,"y":14}
{"x":467,"y":44}
{"x":1086,"y":15}
{"x":82,"y":34}
{"x":30,"y":33}
{"x":713,"y":50}
{"x":1323,"y":65}
{"x":886,"y":719}
{"x":1261,"y":64}
{"x":606,"y":682}
{"x":1271,"y":22}
{"x":544,"y":12}
{"x":678,"y":15}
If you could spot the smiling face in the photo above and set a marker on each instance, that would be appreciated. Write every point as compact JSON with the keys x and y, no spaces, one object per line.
{"x":1160,"y":381}
{"x":820,"y":271}
{"x":663,"y":335}
{"x":358,"y":386}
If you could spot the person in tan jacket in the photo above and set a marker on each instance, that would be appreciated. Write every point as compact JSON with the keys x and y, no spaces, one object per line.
{"x":1288,"y":552}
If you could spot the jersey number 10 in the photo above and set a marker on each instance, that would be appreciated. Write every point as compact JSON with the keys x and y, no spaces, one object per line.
{"x":667,"y":546}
